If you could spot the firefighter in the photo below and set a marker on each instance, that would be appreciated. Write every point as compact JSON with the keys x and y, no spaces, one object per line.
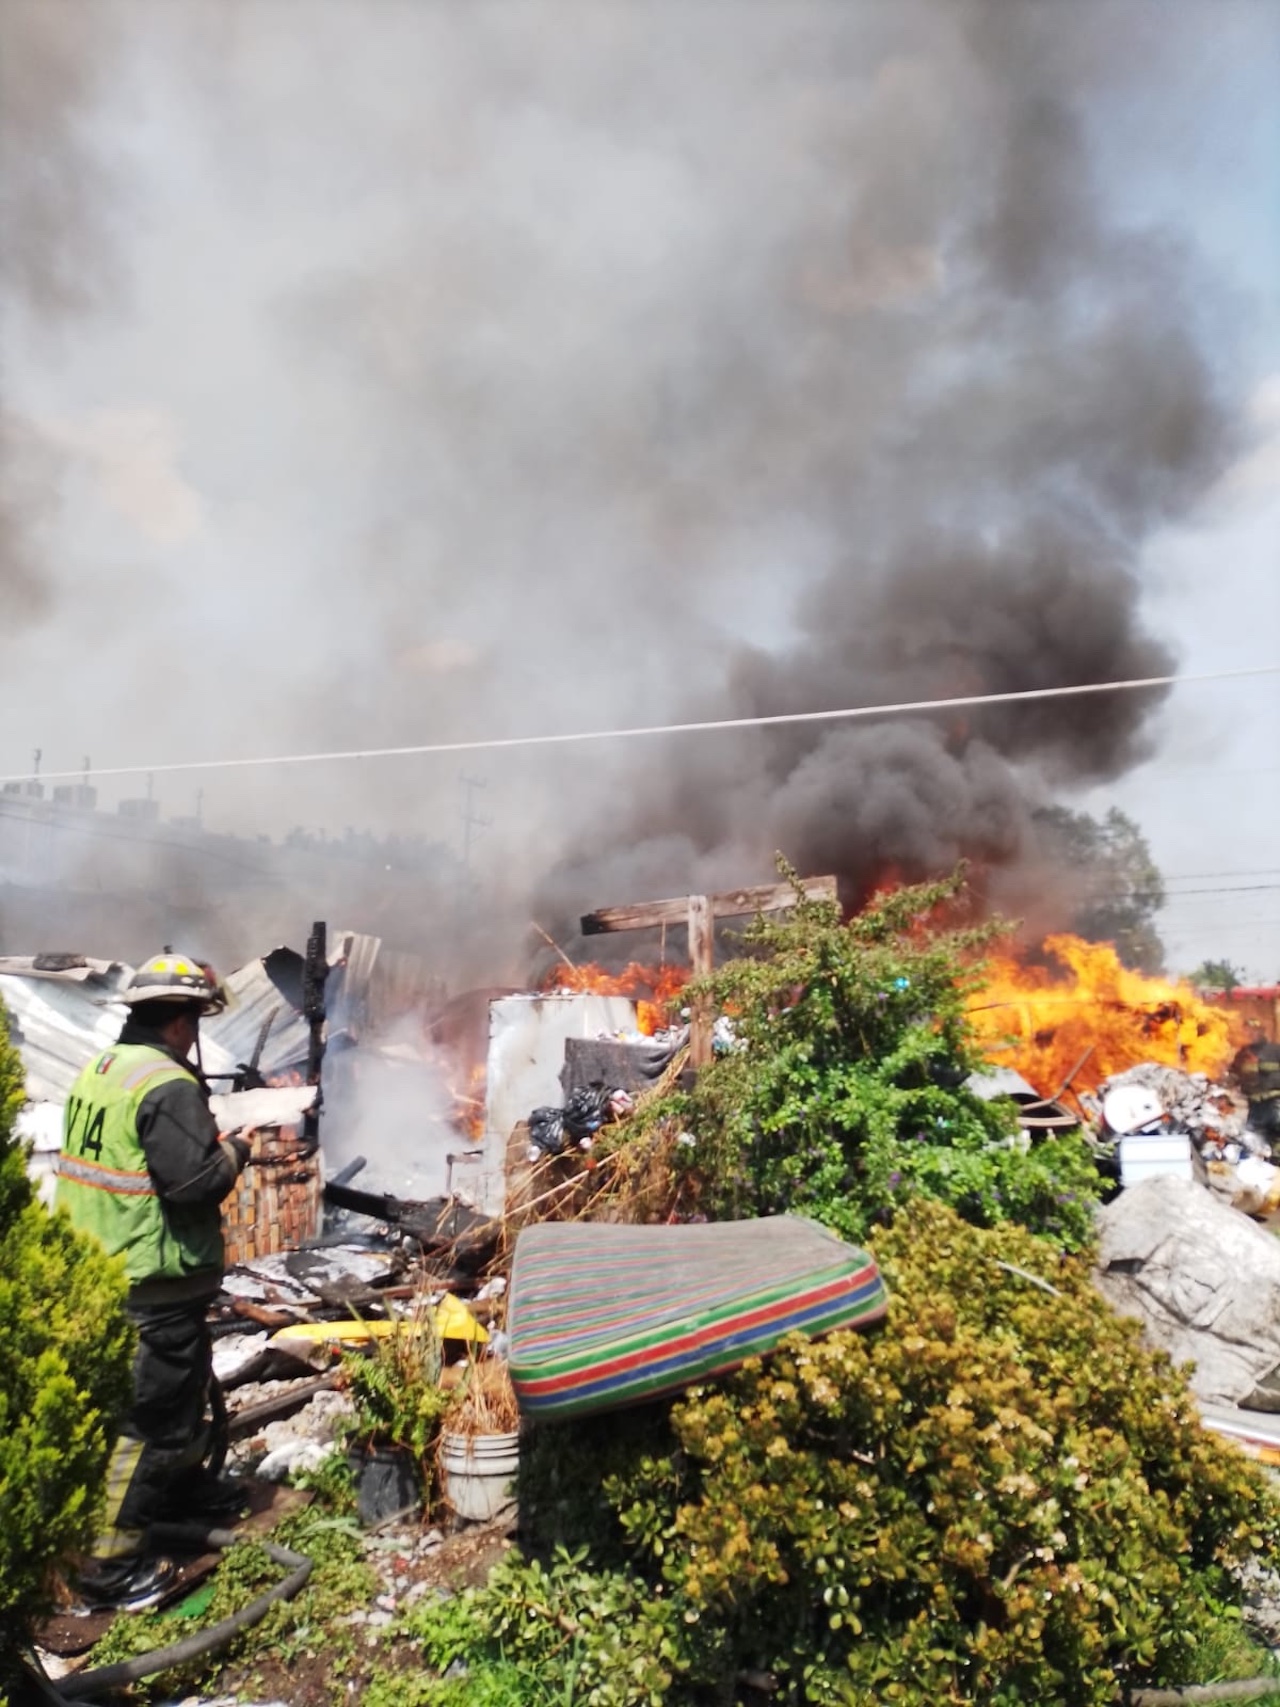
{"x":144,"y":1170}
{"x":1257,"y":1067}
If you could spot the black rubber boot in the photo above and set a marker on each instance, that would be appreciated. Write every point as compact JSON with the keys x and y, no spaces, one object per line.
{"x":202,"y":1498}
{"x":126,"y":1585}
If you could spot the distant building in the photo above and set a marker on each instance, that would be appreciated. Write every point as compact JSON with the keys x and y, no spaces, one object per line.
{"x":1257,"y":1005}
{"x":79,"y":796}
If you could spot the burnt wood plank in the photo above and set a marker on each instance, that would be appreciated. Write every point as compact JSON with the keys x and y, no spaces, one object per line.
{"x":647,"y":915}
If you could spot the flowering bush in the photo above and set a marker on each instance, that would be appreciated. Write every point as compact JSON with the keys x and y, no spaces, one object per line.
{"x":846,"y":1095}
{"x":1001,"y":1498}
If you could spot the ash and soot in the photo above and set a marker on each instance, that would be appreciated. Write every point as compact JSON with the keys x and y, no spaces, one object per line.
{"x":492,"y":371}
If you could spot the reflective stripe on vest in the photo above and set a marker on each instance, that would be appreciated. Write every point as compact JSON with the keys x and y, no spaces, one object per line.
{"x":103,"y":1180}
{"x":122,"y":1180}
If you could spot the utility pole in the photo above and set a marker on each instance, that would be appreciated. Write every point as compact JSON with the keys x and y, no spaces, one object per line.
{"x":470,"y":819}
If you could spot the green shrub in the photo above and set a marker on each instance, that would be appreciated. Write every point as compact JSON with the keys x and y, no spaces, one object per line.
{"x":1000,"y":1498}
{"x":64,"y":1376}
{"x":395,"y":1383}
{"x":847,"y":1096}
{"x":315,"y":1621}
{"x":558,"y":1632}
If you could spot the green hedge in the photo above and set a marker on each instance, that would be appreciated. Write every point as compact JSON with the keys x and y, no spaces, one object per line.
{"x":64,"y":1375}
{"x":1001,"y":1498}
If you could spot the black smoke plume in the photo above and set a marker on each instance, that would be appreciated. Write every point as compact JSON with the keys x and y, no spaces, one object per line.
{"x":502,"y":370}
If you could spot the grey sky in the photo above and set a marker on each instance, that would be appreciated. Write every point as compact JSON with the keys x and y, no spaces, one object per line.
{"x":430,"y":373}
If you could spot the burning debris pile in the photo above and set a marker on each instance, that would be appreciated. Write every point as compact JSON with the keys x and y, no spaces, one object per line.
{"x":1214,"y":1115}
{"x":654,"y":989}
{"x":1147,"y":1063}
{"x":525,"y":1084}
{"x":380,"y":1313}
{"x":1074,"y":1016}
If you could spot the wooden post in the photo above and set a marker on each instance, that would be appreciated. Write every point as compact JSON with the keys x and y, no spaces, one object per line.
{"x":699,"y":913}
{"x":702,"y":955}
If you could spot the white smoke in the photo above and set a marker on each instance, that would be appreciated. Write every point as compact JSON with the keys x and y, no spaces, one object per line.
{"x":467,"y":371}
{"x":392,"y":1103}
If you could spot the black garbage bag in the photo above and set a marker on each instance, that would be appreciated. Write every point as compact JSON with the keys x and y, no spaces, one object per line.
{"x":547,"y":1130}
{"x":552,"y":1130}
{"x":586,"y":1111}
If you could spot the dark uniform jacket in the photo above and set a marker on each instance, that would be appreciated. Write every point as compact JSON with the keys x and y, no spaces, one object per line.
{"x":191,"y":1168}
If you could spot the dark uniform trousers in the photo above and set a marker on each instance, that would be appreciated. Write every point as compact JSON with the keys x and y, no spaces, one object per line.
{"x":165,"y":1434}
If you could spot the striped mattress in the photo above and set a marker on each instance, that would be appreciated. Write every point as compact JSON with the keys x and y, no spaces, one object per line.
{"x":605,"y":1316}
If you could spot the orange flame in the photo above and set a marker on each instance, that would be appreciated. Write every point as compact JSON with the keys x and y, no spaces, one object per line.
{"x":1092,"y":1017}
{"x":469,"y":1105}
{"x":652,"y":988}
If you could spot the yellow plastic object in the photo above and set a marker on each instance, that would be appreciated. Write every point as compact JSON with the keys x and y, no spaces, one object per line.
{"x":452,"y":1319}
{"x":455,"y":1322}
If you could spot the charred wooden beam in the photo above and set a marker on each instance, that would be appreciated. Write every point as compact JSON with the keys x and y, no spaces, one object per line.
{"x":648,"y":915}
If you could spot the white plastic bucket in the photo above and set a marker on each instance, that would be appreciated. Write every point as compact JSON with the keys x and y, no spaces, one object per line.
{"x":480,"y":1472}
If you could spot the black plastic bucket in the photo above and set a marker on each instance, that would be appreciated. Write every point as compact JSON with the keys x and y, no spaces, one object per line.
{"x":388,"y":1484}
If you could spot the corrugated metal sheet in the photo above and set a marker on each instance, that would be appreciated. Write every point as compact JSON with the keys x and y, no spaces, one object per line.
{"x":404,"y":984}
{"x":271,"y":989}
{"x":348,"y":1005}
{"x":228,"y":1039}
{"x":58,"y":1020}
{"x":61,"y":1014}
{"x":1001,"y":1082}
{"x":62,"y":968}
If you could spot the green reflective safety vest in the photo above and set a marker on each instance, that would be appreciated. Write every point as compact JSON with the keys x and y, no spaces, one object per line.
{"x":103,"y":1181}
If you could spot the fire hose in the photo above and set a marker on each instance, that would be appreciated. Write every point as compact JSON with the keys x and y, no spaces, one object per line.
{"x":202,"y":1642}
{"x":189,"y":1537}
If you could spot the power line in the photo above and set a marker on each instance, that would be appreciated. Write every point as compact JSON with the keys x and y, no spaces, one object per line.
{"x":1210,"y":911}
{"x":1239,"y":888}
{"x":1214,"y":769}
{"x":1215,"y":925}
{"x":1204,"y":876}
{"x":1176,"y":896}
{"x":1099,"y":888}
{"x":580,"y":737}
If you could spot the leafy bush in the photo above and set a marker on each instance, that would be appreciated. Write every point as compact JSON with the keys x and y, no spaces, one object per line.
{"x":847,"y":1094}
{"x":552,"y":1633}
{"x":395,"y":1383}
{"x":1001,"y":1498}
{"x":341,"y":1582}
{"x":64,"y":1376}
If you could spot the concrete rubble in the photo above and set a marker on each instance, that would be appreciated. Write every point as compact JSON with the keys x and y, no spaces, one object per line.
{"x":1212,"y":1114}
{"x":298,"y":1442}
